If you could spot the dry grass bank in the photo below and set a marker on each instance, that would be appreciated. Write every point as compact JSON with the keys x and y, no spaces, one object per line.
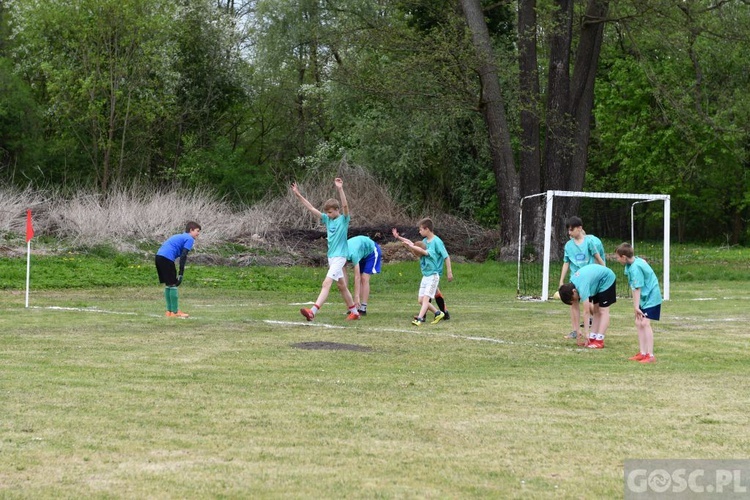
{"x":130,"y":217}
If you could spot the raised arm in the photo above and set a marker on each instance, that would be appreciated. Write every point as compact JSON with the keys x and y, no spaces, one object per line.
{"x":340,"y":188}
{"x":307,"y":204}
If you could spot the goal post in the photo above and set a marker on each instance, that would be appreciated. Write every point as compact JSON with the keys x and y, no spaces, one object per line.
{"x":549,"y":200}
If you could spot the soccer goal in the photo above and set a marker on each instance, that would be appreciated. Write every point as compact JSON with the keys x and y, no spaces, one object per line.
{"x":613,"y":217}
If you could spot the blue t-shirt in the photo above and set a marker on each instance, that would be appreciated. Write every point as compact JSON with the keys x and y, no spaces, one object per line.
{"x":640,"y":275}
{"x":172,"y":248}
{"x":336,"y":230}
{"x":579,"y":255}
{"x":432,"y":263}
{"x":592,"y":279}
{"x":359,"y":248}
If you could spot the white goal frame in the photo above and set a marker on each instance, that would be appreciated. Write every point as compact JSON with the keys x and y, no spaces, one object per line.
{"x":550,"y":196}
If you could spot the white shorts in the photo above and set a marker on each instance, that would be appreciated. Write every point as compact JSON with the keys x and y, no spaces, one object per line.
{"x":429,"y":286}
{"x":336,"y":268}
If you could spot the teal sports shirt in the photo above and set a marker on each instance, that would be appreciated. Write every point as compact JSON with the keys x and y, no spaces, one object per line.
{"x":359,"y":248}
{"x":432,"y":263}
{"x":592,"y":279}
{"x":640,"y":275}
{"x":581,"y":255}
{"x":336,"y":230}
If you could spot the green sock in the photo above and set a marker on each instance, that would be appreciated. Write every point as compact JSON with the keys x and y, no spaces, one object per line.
{"x":168,"y":298}
{"x":175,"y":307}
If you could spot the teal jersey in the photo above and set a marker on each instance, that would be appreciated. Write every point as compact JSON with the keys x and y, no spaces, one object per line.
{"x":581,"y":255}
{"x":336,"y":230}
{"x":592,"y":279}
{"x":640,"y":275}
{"x":599,"y":248}
{"x":432,"y":263}
{"x":359,"y":248}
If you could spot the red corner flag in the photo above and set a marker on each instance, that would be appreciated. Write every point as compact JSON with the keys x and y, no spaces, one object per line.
{"x":29,"y":226}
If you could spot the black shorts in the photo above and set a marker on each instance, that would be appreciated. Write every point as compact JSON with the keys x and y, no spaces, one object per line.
{"x":166,"y":270}
{"x":653,"y":313}
{"x":606,"y":297}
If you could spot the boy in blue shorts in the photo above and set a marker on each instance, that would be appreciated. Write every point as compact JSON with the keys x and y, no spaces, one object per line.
{"x":431,"y":260}
{"x":176,"y":246}
{"x":336,"y":220}
{"x":646,"y":299}
{"x":592,"y":285}
{"x":580,"y":250}
{"x":367,"y":258}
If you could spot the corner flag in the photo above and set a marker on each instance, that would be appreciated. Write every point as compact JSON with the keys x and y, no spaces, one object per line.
{"x":29,"y":226}
{"x":29,"y":235}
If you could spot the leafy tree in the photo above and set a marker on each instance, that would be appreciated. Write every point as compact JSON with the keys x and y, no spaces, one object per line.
{"x":20,"y":126}
{"x":672,"y":114}
{"x":100,"y":67}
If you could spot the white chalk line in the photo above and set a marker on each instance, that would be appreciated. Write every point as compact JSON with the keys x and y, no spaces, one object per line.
{"x":424,"y":332}
{"x":95,"y":310}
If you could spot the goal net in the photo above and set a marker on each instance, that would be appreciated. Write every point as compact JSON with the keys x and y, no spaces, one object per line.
{"x":641,"y":219}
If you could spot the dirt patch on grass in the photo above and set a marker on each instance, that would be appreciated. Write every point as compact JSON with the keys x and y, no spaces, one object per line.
{"x":331,"y":346}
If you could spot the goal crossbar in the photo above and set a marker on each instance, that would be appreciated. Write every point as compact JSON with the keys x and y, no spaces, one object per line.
{"x":550,"y":196}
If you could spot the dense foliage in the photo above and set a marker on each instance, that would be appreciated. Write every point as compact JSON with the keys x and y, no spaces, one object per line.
{"x":241,"y":95}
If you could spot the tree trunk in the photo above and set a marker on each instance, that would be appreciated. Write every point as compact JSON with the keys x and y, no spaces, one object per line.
{"x":529,"y":142}
{"x":493,"y":111}
{"x":569,"y":106}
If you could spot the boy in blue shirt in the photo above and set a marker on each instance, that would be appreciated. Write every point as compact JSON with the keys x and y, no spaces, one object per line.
{"x":592,"y":285}
{"x":336,"y":220}
{"x":176,"y":246}
{"x":367,"y":258}
{"x":646,"y":299}
{"x":431,"y":260}
{"x":580,"y":250}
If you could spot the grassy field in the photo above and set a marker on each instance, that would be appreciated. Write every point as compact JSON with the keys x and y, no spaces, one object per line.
{"x":103,"y":397}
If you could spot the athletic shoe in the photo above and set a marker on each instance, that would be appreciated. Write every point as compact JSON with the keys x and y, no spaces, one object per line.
{"x":637,"y":357}
{"x":596,"y":344}
{"x":649,"y":358}
{"x":170,"y":314}
{"x":181,"y":314}
{"x":418,"y":322}
{"x":307,"y":313}
{"x":438,"y":318}
{"x":352,"y":316}
{"x":447,"y":315}
{"x":571,"y":336}
{"x":361,"y":312}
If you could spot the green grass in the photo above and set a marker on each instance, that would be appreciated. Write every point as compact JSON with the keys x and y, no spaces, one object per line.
{"x":104,"y":397}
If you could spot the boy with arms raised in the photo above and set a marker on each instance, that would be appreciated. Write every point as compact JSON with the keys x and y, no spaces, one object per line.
{"x":592,"y":285}
{"x":580,"y":250}
{"x":431,"y":260}
{"x":646,"y":299}
{"x":336,"y":221}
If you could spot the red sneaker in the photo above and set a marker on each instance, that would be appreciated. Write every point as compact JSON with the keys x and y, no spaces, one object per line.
{"x":307,"y":313}
{"x":637,"y":357}
{"x":596,"y":344}
{"x":180,"y":314}
{"x":649,"y":358}
{"x":170,"y":314}
{"x":352,"y":316}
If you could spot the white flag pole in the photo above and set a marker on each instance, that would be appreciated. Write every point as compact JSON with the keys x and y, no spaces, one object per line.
{"x":28,"y":270}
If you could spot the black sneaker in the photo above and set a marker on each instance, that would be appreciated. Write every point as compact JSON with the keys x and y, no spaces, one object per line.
{"x":361,"y":312}
{"x":447,"y":316}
